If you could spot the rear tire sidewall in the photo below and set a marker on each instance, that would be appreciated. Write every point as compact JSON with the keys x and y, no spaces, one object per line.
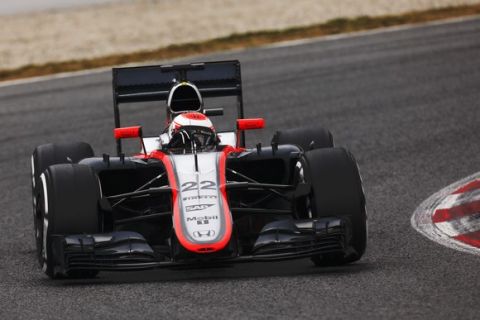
{"x":306,"y":138}
{"x":56,"y":153}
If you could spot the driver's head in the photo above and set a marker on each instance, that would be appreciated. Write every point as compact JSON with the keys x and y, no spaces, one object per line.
{"x":191,"y":126}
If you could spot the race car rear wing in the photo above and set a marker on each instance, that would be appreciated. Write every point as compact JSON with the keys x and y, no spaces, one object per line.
{"x":153,"y":83}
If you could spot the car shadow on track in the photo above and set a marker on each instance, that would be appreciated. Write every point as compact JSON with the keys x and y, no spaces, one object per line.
{"x":219,"y":273}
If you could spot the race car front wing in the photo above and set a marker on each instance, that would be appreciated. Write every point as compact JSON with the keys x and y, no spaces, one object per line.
{"x":126,"y":250}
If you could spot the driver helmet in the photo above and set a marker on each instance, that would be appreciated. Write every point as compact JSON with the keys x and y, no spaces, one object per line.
{"x":191,"y":126}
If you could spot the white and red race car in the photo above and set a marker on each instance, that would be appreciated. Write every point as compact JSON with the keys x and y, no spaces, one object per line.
{"x":194,"y":195}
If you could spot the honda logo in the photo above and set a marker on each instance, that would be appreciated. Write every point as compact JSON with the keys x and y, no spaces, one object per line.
{"x":204,"y":233}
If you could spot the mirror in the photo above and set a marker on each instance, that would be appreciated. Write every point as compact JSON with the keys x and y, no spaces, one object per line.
{"x":250,"y":124}
{"x":127,"y":132}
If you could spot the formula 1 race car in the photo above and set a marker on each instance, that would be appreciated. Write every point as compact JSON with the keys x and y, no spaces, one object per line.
{"x":194,"y":196}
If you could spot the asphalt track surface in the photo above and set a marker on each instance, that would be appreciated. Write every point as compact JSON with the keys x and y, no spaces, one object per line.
{"x":406,"y":103}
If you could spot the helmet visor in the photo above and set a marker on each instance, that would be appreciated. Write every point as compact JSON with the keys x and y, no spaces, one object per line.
{"x":185,"y":136}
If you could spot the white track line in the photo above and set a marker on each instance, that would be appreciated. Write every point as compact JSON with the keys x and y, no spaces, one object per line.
{"x":281,"y":44}
{"x":422,"y":219}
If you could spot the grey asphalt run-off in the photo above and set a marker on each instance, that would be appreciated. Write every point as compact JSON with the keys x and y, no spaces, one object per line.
{"x":406,"y":103}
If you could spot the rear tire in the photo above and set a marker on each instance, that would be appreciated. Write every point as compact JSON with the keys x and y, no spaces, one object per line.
{"x":44,"y":156}
{"x":305,"y":138}
{"x":68,"y":205}
{"x":55,"y":153}
{"x":337,"y":191}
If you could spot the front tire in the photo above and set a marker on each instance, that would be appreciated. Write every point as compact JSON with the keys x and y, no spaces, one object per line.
{"x":337,"y":191}
{"x":44,"y":156}
{"x":68,"y":205}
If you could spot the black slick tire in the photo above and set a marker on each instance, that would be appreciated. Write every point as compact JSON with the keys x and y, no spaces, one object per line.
{"x":305,"y":138}
{"x":68,"y":205}
{"x":337,"y":191}
{"x":44,"y":156}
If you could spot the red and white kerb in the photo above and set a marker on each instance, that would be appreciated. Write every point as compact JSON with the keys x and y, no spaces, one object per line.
{"x":451,"y":216}
{"x":458,"y":215}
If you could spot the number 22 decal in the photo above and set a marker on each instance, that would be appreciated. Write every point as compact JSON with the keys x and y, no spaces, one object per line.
{"x":192,"y":185}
